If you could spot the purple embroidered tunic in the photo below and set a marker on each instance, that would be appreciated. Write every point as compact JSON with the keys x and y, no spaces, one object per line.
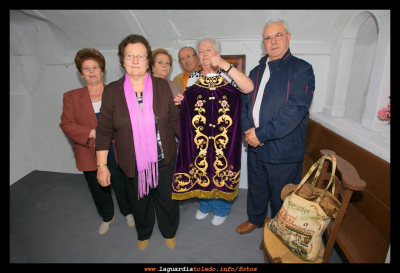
{"x":210,"y":144}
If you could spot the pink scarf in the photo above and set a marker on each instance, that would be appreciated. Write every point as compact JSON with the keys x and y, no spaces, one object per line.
{"x":144,"y":134}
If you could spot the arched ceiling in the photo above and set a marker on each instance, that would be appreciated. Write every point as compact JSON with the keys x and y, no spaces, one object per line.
{"x":315,"y":30}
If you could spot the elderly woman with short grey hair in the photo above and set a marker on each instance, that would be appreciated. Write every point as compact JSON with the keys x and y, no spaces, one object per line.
{"x":209,"y":51}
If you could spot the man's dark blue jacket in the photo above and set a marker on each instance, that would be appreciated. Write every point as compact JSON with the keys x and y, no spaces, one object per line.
{"x":284,"y":109}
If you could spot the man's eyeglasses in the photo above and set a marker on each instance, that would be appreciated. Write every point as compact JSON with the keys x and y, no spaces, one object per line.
{"x":181,"y":59}
{"x":278,"y":37}
{"x":131,"y":56}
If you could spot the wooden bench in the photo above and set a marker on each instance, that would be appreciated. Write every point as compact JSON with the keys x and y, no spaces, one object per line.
{"x":364,"y":236}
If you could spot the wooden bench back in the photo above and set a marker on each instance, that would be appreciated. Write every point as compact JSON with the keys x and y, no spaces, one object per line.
{"x":374,"y":202}
{"x":347,"y":183}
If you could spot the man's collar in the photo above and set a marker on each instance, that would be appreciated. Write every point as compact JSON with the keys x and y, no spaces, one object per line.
{"x":278,"y":62}
{"x":284,"y":57}
{"x":198,"y":68}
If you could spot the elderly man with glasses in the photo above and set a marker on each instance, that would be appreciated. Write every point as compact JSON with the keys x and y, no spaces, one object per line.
{"x":189,"y":63}
{"x":274,"y":122}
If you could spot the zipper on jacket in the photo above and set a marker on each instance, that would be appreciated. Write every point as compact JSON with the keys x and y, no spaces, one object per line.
{"x":255,"y":92}
{"x":287,"y":93}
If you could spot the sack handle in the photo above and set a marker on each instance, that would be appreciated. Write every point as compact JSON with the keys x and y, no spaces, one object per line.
{"x":320,"y":164}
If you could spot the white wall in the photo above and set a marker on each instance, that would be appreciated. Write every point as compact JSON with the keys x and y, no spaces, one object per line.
{"x":361,"y":69}
{"x":38,"y":81}
{"x":344,"y":83}
{"x":21,"y":160}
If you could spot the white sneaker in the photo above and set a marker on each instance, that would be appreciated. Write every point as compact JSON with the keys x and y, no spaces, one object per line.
{"x":217,"y":220}
{"x":200,"y":215}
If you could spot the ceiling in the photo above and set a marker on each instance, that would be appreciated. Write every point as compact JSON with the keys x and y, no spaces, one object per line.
{"x":171,"y":29}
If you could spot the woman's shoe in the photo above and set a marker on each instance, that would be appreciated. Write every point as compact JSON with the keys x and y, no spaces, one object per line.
{"x":142,"y":244}
{"x":170,"y":242}
{"x":200,"y":215}
{"x":130,"y":221}
{"x":105,"y":226}
{"x":217,"y":220}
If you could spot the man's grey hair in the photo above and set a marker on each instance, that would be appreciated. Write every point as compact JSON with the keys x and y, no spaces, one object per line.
{"x":273,"y":21}
{"x":213,"y":39}
{"x":194,"y":51}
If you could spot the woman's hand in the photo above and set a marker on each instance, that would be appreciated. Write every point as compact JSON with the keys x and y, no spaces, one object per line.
{"x":178,"y":99}
{"x":92,"y":133}
{"x":103,"y":176}
{"x":219,"y":62}
{"x":244,"y":83}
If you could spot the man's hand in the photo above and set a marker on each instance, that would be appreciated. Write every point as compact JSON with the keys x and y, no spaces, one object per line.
{"x":251,"y":138}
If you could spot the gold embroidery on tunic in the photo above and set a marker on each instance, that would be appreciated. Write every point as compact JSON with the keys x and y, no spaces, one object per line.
{"x":211,"y":83}
{"x":215,"y":193}
{"x":197,"y":173}
{"x":224,"y":175}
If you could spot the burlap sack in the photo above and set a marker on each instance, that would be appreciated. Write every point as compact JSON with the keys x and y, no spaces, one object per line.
{"x":306,"y":213}
{"x":329,"y":203}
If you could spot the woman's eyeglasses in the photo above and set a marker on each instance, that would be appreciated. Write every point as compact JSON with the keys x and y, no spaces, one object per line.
{"x":131,"y":56}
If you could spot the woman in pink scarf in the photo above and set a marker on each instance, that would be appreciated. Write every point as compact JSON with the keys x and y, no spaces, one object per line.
{"x":138,"y":111}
